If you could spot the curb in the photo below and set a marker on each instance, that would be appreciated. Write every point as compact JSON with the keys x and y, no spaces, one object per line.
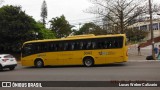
{"x":143,"y":60}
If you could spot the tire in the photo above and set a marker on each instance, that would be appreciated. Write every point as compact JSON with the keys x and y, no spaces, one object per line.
{"x":149,"y":58}
{"x":88,"y":62}
{"x":11,"y":68}
{"x":39,"y":63}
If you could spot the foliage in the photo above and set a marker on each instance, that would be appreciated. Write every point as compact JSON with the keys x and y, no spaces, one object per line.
{"x":90,"y":28}
{"x":60,"y":26}
{"x":44,"y":12}
{"x":135,"y":35}
{"x":44,"y":33}
{"x":16,"y":27}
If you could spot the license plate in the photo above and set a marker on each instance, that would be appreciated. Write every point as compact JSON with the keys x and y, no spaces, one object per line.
{"x":11,"y":60}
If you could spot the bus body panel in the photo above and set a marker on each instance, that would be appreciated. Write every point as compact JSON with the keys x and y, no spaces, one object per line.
{"x":76,"y":57}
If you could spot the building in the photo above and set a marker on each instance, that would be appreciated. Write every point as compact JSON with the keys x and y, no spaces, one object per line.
{"x":144,"y":25}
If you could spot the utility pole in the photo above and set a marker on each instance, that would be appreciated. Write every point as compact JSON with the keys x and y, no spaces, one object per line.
{"x":151,"y":29}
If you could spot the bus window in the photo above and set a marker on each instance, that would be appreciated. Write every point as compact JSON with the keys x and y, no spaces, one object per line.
{"x":85,"y":45}
{"x":38,"y":48}
{"x":55,"y":47}
{"x":72,"y":45}
{"x":65,"y":46}
{"x":76,"y":46}
{"x":41,"y":47}
{"x":69,"y":46}
{"x":100,"y":46}
{"x":105,"y":44}
{"x":44,"y":47}
{"x":60,"y":47}
{"x":93,"y":45}
{"x":81,"y":45}
{"x":51,"y":47}
{"x":28,"y":49}
{"x":88,"y":46}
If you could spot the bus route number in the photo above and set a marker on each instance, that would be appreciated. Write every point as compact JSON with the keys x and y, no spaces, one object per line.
{"x":87,"y":53}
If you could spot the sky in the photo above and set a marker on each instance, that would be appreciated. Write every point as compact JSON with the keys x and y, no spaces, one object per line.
{"x":73,"y":10}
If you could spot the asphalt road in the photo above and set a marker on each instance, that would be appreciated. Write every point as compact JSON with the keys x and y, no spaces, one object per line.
{"x":132,"y":70}
{"x":141,"y":70}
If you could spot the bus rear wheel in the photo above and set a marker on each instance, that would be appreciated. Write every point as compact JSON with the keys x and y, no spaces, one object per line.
{"x":39,"y":63}
{"x":88,"y":62}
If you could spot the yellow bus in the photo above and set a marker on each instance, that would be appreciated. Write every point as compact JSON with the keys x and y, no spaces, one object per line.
{"x":85,"y":50}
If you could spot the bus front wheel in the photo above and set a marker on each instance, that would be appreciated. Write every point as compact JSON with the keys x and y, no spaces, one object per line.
{"x":88,"y":61}
{"x":39,"y":63}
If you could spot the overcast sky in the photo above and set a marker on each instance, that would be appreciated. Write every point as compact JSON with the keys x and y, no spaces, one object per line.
{"x":73,"y":10}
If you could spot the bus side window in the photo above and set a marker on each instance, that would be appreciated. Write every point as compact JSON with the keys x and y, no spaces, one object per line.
{"x":69,"y":46}
{"x":88,"y":46}
{"x":106,"y":44}
{"x":51,"y":47}
{"x":93,"y":45}
{"x":46,"y":47}
{"x":28,"y":49}
{"x":100,"y":46}
{"x":37,"y":48}
{"x":76,"y":46}
{"x":56,"y":47}
{"x":84,"y":45}
{"x":81,"y":45}
{"x":61,"y":47}
{"x":65,"y":46}
{"x":112,"y":44}
{"x":72,"y":46}
{"x":43,"y":47}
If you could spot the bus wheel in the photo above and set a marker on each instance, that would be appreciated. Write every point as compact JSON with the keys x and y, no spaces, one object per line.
{"x":38,"y":63}
{"x":88,"y":62}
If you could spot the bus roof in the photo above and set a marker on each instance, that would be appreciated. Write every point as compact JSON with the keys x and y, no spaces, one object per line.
{"x":75,"y":37}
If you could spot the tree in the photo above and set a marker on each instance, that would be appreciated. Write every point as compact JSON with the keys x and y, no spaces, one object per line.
{"x":90,"y":28}
{"x":44,"y":33}
{"x":135,"y":34}
{"x":44,"y":12}
{"x":60,"y":26}
{"x":120,"y":13}
{"x":16,"y":27}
